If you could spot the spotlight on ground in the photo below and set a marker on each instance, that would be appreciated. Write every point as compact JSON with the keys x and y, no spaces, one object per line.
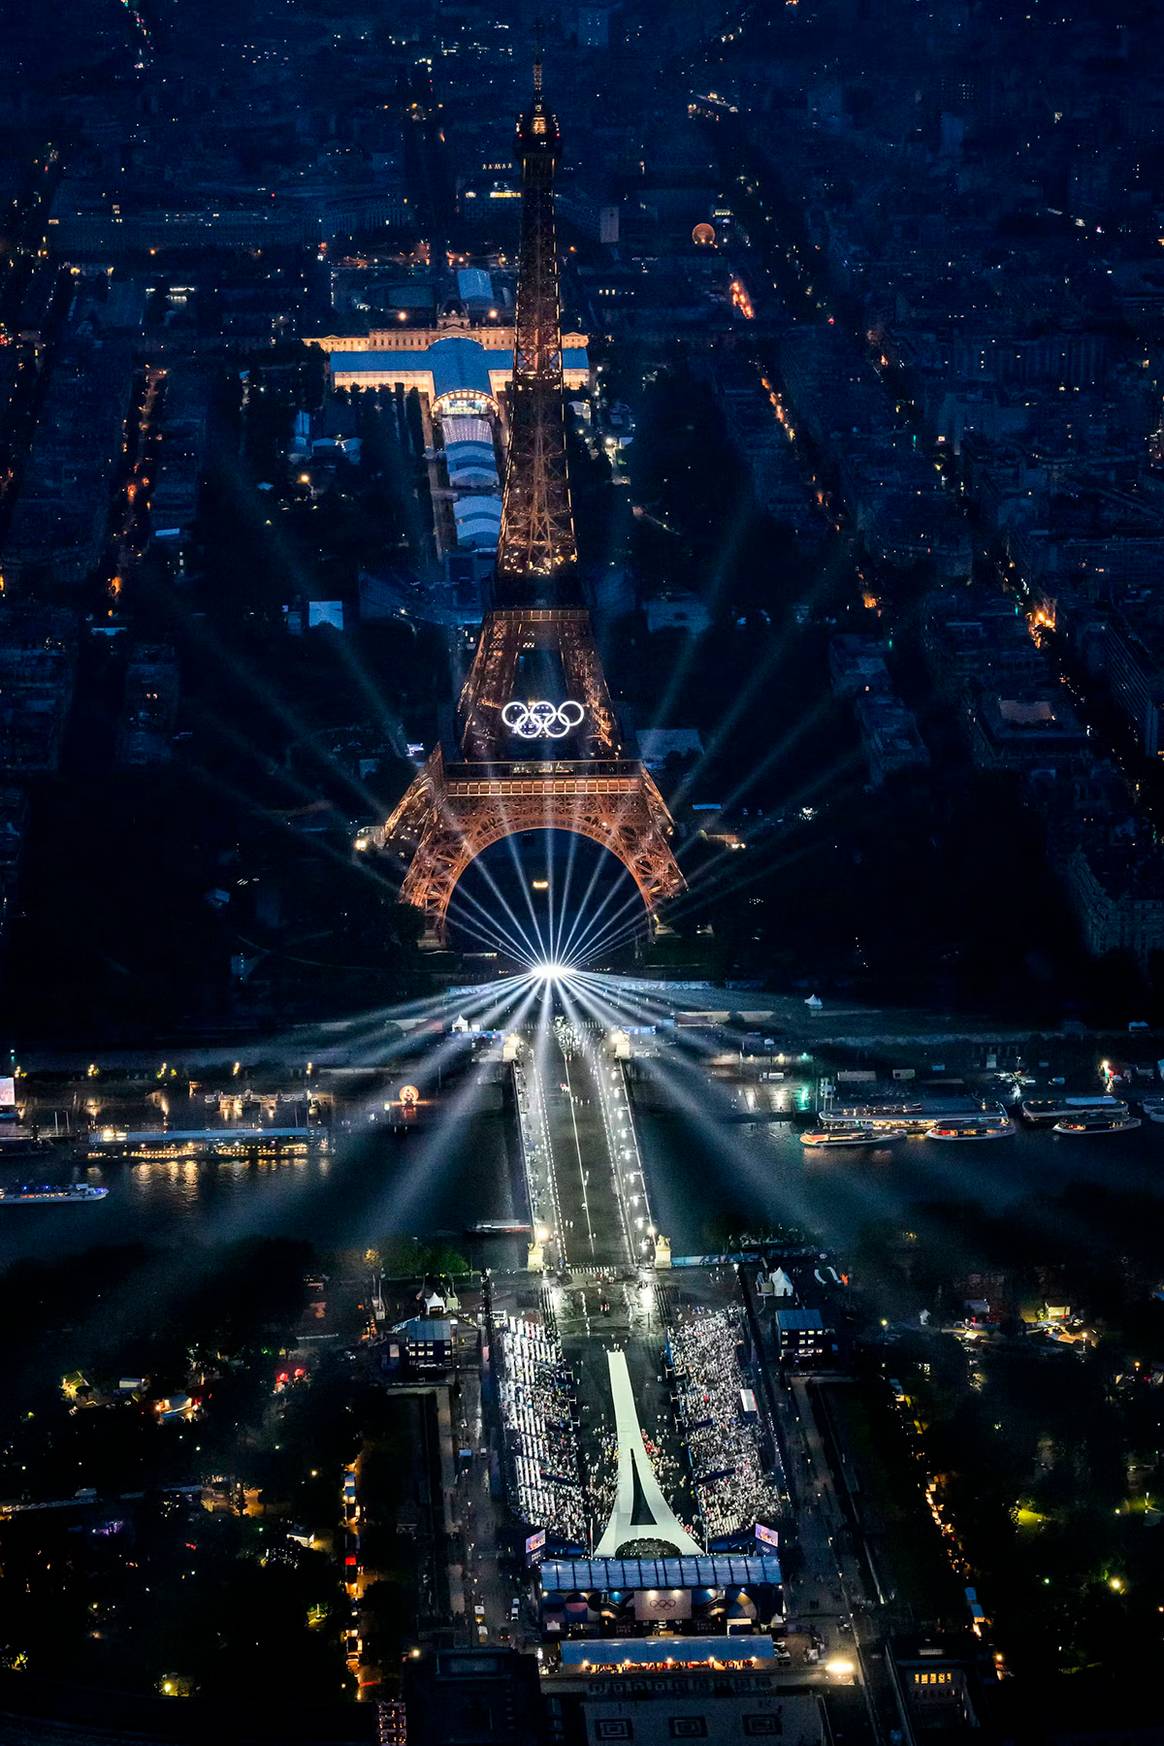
{"x":550,"y":971}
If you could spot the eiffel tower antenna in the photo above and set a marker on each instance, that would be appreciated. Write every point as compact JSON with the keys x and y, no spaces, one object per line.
{"x":537,"y":551}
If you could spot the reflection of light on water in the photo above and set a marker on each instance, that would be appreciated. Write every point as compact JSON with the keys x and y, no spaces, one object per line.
{"x":236,"y":1163}
{"x":185,"y":1173}
{"x":785,"y":1097}
{"x":171,"y":1189}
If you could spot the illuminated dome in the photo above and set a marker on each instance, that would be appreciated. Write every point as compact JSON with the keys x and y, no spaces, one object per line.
{"x":460,"y":376}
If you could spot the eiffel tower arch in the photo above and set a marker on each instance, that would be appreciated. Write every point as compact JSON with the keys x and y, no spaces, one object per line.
{"x":451,"y":813}
{"x":542,"y":752}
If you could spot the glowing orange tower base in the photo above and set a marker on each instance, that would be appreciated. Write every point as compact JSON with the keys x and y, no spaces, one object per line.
{"x":454,"y":810}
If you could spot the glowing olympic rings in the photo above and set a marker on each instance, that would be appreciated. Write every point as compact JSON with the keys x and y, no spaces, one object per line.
{"x":542,"y":720}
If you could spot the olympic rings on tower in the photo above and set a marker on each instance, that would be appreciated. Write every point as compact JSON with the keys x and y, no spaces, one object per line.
{"x":542,"y":720}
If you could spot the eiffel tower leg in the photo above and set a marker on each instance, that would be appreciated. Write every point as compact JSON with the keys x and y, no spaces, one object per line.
{"x":438,"y":833}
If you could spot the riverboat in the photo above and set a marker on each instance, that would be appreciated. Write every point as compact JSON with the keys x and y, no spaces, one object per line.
{"x":1095,"y":1123}
{"x":912,"y":1115}
{"x":817,"y":1137}
{"x":971,"y":1130}
{"x":47,"y":1194}
{"x":1049,"y":1110}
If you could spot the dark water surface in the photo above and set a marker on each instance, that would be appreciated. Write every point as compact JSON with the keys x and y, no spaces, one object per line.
{"x":442,"y":1177}
{"x":704,"y":1178}
{"x":754,"y":1177}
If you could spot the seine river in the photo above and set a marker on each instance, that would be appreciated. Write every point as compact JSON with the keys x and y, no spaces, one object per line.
{"x":752,"y":1174}
{"x":443,"y":1176}
{"x":703,"y":1178}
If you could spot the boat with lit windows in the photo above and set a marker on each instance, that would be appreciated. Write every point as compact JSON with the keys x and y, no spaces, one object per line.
{"x":910,"y":1115}
{"x":52,"y":1194}
{"x":1049,"y":1110}
{"x":1094,"y":1122}
{"x":864,"y":1136}
{"x":986,"y":1129}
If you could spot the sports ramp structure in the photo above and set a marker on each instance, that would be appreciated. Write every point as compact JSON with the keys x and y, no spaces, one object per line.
{"x":641,"y":1512}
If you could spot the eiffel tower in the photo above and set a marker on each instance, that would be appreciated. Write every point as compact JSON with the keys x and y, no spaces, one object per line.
{"x":538,"y":745}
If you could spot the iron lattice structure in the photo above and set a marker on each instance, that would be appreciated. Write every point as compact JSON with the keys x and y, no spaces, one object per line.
{"x":452,"y":812}
{"x":506,"y":636}
{"x":537,"y":544}
{"x":458,"y":806}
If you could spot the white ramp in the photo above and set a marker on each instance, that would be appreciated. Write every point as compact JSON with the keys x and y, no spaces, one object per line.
{"x":634,"y":1462}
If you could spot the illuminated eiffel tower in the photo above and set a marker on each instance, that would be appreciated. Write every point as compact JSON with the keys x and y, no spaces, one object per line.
{"x":538,"y":743}
{"x":537,"y":545}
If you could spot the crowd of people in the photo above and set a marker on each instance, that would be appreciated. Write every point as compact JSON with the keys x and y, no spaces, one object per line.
{"x":539,"y":1414}
{"x":722,"y":1429}
{"x":601,"y":1477}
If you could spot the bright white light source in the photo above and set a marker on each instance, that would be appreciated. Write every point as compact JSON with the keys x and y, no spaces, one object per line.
{"x":549,"y":971}
{"x":541,"y":719}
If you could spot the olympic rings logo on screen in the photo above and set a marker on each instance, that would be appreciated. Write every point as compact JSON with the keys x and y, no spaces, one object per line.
{"x":542,"y":720}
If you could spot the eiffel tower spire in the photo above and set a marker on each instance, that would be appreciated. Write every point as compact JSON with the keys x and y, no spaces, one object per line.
{"x":537,"y":551}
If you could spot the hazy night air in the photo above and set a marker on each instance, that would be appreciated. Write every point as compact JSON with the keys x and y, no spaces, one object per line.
{"x":581,"y":887}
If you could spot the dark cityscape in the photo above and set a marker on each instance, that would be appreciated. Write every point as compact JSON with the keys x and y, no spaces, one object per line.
{"x":581,"y":873}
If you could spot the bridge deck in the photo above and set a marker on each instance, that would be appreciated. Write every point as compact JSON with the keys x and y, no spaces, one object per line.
{"x":588,"y":1195}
